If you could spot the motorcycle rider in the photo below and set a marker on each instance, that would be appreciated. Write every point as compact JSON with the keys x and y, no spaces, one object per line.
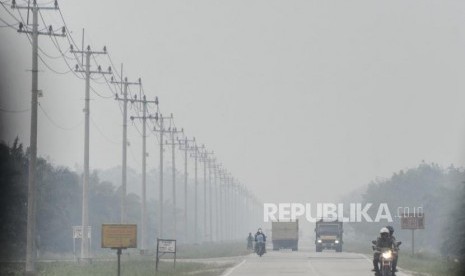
{"x":383,"y":241}
{"x":250,"y":241}
{"x":396,"y":255}
{"x":259,"y":238}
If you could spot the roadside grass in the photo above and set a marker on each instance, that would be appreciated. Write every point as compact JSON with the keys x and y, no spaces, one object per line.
{"x":422,"y":264}
{"x":129,"y":267}
{"x":134,"y":264}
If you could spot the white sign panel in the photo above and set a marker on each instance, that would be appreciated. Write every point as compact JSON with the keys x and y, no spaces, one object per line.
{"x":77,"y":232}
{"x":167,"y":246}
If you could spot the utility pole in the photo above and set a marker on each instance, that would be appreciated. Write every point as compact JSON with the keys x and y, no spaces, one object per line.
{"x":196,"y":154}
{"x":32,"y":188}
{"x":85,"y":246}
{"x":233,"y":208}
{"x":212,"y":170}
{"x":226,"y":207}
{"x":125,"y":101}
{"x":161,"y":129}
{"x":203,"y":158}
{"x":247,"y":208}
{"x":230,"y":205}
{"x":144,"y":117}
{"x":222,"y":202}
{"x":217,"y":201}
{"x":184,"y":146}
{"x":243,"y":210}
{"x":206,"y":200}
{"x":173,"y":143}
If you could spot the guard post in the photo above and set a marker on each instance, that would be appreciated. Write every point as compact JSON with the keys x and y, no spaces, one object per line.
{"x":165,"y":247}
{"x":119,"y":237}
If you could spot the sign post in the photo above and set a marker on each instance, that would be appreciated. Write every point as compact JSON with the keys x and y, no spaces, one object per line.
{"x":413,"y":221}
{"x":119,"y":237}
{"x":165,"y":247}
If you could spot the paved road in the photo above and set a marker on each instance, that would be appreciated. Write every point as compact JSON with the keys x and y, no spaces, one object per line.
{"x":306,"y":262}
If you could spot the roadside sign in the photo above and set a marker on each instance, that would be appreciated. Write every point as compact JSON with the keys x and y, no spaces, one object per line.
{"x":165,"y":247}
{"x":119,"y":235}
{"x":77,"y":232}
{"x":412,"y":221}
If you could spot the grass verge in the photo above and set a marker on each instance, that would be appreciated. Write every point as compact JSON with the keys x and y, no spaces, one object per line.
{"x":134,"y":264}
{"x":136,"y":267}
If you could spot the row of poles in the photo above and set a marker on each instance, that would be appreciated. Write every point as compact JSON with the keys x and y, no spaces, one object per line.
{"x":229,"y":208}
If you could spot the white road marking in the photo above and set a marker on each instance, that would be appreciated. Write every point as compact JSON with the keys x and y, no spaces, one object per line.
{"x":231,"y":270}
{"x":314,"y":272}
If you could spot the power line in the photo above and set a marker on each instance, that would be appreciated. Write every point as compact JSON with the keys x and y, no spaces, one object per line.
{"x":53,"y":70}
{"x":58,"y":47}
{"x":70,"y":38}
{"x":8,"y":25}
{"x":8,"y":11}
{"x":65,"y":57}
{"x":100,"y":95}
{"x":55,"y":123}
{"x":43,"y":52}
{"x":109,"y":86}
{"x":40,"y":57}
{"x":102,"y":134}
{"x":113,"y":65}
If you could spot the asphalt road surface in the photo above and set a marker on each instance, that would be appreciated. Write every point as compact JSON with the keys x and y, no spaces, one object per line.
{"x":305,"y":262}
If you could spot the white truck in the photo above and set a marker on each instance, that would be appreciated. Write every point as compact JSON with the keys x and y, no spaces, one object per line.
{"x":285,"y":235}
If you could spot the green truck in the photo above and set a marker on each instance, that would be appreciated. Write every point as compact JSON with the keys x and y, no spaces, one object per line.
{"x":328,"y":235}
{"x":285,"y":235}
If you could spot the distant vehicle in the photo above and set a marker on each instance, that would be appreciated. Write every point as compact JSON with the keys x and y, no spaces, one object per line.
{"x":285,"y":235}
{"x":328,"y":235}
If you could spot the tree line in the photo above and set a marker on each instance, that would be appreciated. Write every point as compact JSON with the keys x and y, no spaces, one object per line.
{"x":59,"y":201}
{"x":439,"y":191}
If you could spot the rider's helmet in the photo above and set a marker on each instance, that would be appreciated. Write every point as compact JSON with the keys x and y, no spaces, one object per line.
{"x":384,"y":232}
{"x":391,"y":229}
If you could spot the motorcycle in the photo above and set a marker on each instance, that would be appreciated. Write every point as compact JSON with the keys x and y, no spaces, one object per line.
{"x":260,"y":248}
{"x":386,"y":257}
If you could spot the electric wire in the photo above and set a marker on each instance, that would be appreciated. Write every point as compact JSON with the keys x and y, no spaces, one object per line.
{"x":101,"y":132}
{"x":40,"y":57}
{"x":76,"y":74}
{"x":54,"y":123}
{"x":109,"y":86}
{"x":113,"y":66}
{"x":8,"y":25}
{"x":43,"y":52}
{"x":70,"y":38}
{"x":100,"y":95}
{"x":135,"y":107}
{"x":53,"y":70}
{"x":9,"y":12}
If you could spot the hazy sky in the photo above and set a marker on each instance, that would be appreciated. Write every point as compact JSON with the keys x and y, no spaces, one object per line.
{"x":301,"y":100}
